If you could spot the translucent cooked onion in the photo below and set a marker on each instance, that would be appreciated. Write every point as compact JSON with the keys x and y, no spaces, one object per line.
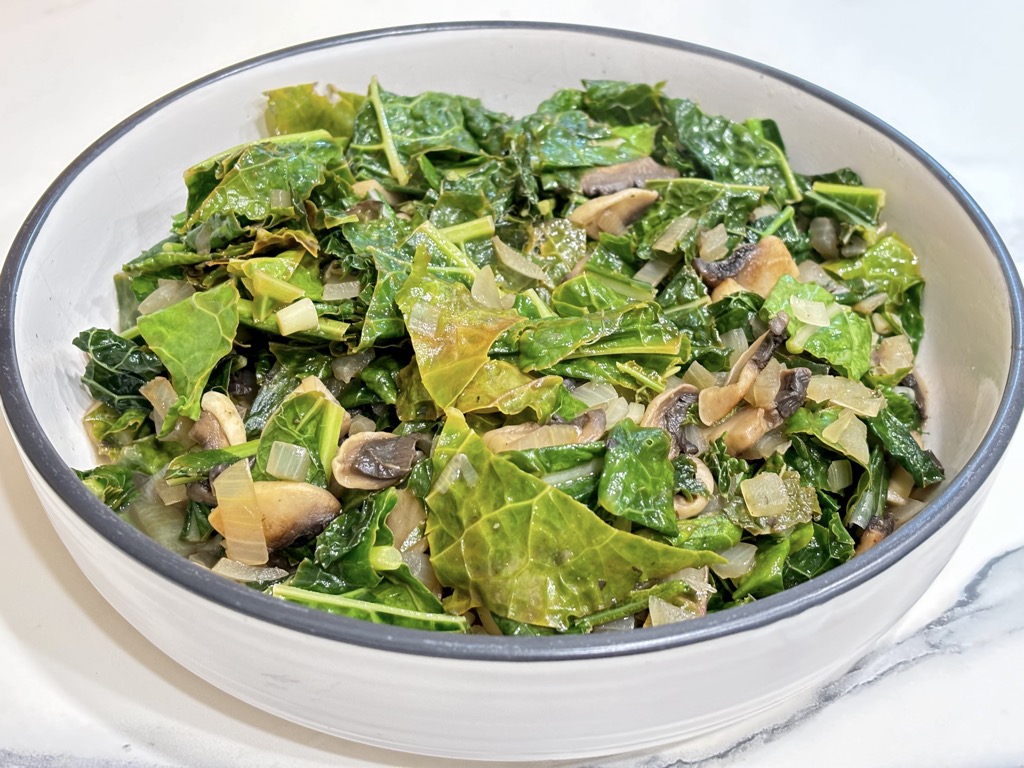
{"x":894,"y":354}
{"x":656,"y":270}
{"x":900,"y":486}
{"x":662,"y":612}
{"x":297,"y":317}
{"x":247,"y":574}
{"x":485,"y":290}
{"x":288,"y":462}
{"x":548,"y":435}
{"x":811,"y":312}
{"x":668,"y":240}
{"x":160,"y":522}
{"x":167,"y":293}
{"x":824,"y":237}
{"x":696,"y":436}
{"x":906,"y":511}
{"x":419,"y":565}
{"x":514,"y":261}
{"x":161,"y":395}
{"x":766,"y":386}
{"x":850,"y":435}
{"x":361,"y":423}
{"x":845,"y":392}
{"x":343,"y":289}
{"x":812,"y":272}
{"x":237,"y":515}
{"x":765,"y":495}
{"x":591,"y":467}
{"x":736,"y":340}
{"x":274,"y":288}
{"x":349,"y":366}
{"x":595,"y":393}
{"x":635,"y":411}
{"x":713,"y":244}
{"x":459,"y":468}
{"x":868,"y":305}
{"x":739,"y":561}
{"x":701,"y":377}
{"x":774,"y":441}
{"x":840,"y":475}
{"x":170,"y":494}
{"x":617,"y":410}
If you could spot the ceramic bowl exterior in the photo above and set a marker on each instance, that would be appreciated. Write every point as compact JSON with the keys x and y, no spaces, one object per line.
{"x":472,"y":696}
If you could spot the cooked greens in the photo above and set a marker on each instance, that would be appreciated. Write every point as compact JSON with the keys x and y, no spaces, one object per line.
{"x":429,"y":365}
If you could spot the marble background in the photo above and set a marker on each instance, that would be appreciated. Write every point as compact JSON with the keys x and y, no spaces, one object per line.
{"x":80,"y":687}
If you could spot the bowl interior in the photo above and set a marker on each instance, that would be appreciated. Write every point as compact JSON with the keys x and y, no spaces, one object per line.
{"x":118,"y":198}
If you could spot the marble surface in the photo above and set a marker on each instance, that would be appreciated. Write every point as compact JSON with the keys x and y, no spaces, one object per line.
{"x":946,"y":687}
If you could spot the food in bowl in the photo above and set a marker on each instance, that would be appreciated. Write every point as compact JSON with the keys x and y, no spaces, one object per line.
{"x":614,"y":363}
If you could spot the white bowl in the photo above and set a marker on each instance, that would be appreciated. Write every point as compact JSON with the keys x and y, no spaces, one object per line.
{"x":472,"y":696}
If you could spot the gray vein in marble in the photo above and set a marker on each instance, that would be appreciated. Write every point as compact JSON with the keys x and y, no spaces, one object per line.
{"x":993,"y":591}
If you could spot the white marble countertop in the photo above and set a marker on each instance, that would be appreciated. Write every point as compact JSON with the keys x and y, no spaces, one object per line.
{"x":81,"y":687}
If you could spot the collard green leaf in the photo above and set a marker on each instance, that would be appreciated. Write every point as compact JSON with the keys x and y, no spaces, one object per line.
{"x":110,"y":483}
{"x":712,"y":532}
{"x":766,"y":577}
{"x":112,"y":429}
{"x":622,"y":103}
{"x":900,"y":443}
{"x":309,"y":420}
{"x":729,"y":151}
{"x":638,"y":481}
{"x":507,"y":541}
{"x":190,"y":338}
{"x":301,"y":108}
{"x":190,"y":467}
{"x":571,"y":139}
{"x":117,"y":368}
{"x":501,"y":387}
{"x":845,"y":342}
{"x":293,"y":363}
{"x":889,"y":264}
{"x":869,"y":497}
{"x":367,"y":604}
{"x":451,"y":332}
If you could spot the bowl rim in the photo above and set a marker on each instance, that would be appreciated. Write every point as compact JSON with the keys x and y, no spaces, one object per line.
{"x":50,"y":467}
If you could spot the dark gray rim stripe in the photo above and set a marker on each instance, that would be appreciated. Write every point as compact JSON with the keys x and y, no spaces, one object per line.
{"x":48,"y":463}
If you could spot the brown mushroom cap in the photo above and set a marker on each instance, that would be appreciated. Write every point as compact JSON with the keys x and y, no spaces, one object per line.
{"x":615,"y":178}
{"x":289,"y":511}
{"x":756,"y":267}
{"x":668,"y":411}
{"x":612,"y":213}
{"x":370,"y":461}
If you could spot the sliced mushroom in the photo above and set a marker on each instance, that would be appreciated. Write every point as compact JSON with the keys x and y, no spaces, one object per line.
{"x":792,"y":391}
{"x":591,"y":424}
{"x":612,"y":213}
{"x":407,"y":522}
{"x":668,"y":411}
{"x":227,"y":416}
{"x":724,"y":288}
{"x":742,"y":429}
{"x":207,"y":434}
{"x":685,"y":508}
{"x":877,"y":529}
{"x":369,"y":461}
{"x":291,"y":511}
{"x":755,"y":267}
{"x":615,"y":178}
{"x":716,"y":402}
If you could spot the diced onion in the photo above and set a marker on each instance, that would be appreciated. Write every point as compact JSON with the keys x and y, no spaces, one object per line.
{"x":361,"y":423}
{"x":170,"y":494}
{"x":160,"y":522}
{"x":288,"y":462}
{"x":247,"y":574}
{"x":766,"y":385}
{"x":656,"y":270}
{"x":485,"y":290}
{"x":696,"y":437}
{"x":458,"y":468}
{"x":591,"y":467}
{"x":341,"y":290}
{"x":668,"y":241}
{"x":617,"y":410}
{"x":167,"y":293}
{"x":419,"y":565}
{"x":868,"y":305}
{"x":701,"y":377}
{"x":766,"y":209}
{"x":237,"y":515}
{"x":297,"y":317}
{"x":548,"y":435}
{"x":739,"y":561}
{"x":161,"y":395}
{"x":840,"y":475}
{"x":765,"y":495}
{"x":595,"y":393}
{"x":771,"y":442}
{"x":347,"y":367}
{"x":280,"y":198}
{"x":714,"y":243}
{"x":736,"y":340}
{"x":900,"y":486}
{"x":663,"y":612}
{"x":850,"y":434}
{"x":516,"y":262}
{"x":635,"y":411}
{"x":845,"y":392}
{"x":810,"y":312}
{"x":824,"y":238}
{"x":894,"y":354}
{"x":812,"y":272}
{"x":799,"y":340}
{"x":881,"y":325}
